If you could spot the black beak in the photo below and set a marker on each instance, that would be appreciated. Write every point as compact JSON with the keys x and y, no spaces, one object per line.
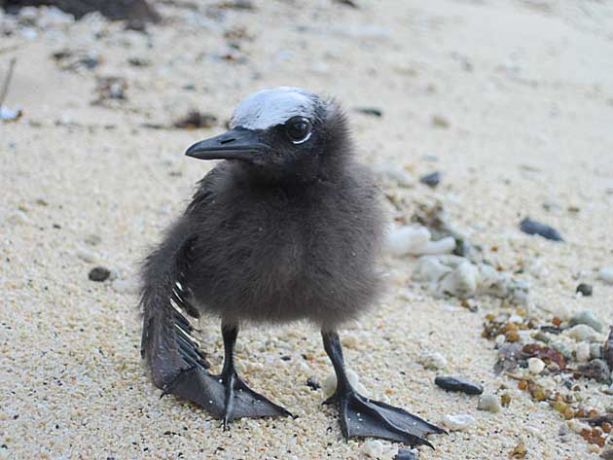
{"x":236,"y":144}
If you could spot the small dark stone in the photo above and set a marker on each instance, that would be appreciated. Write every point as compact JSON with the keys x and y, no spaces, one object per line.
{"x":405,"y":454}
{"x":313,"y":384}
{"x":246,"y":5}
{"x":372,"y":111}
{"x":110,"y":88}
{"x":439,"y":121}
{"x":532,"y":227}
{"x":459,"y":384}
{"x":286,"y":358}
{"x":585,"y":289}
{"x":68,"y":59}
{"x":596,"y":369}
{"x":99,"y":274}
{"x":195,"y":119}
{"x":139,"y":62}
{"x":431,"y":180}
{"x":551,"y":329}
{"x":349,"y":3}
{"x":90,"y":62}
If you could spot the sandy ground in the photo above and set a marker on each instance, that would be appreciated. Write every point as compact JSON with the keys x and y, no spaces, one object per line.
{"x":526,"y":88}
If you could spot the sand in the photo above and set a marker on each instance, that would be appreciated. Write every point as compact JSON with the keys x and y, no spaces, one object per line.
{"x":525,"y":92}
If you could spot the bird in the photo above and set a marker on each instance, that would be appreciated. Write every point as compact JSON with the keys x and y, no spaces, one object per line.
{"x":287,"y":226}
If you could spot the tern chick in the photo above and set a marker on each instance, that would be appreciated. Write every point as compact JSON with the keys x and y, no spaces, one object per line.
{"x":287,"y":227}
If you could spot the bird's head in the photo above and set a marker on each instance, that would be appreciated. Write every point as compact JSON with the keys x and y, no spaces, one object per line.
{"x":282,"y":134}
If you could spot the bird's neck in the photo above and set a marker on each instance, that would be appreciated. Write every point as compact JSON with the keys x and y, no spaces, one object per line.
{"x":290,"y":183}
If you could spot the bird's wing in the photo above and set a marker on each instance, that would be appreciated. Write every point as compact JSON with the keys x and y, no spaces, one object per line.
{"x":167,"y":343}
{"x":177,"y":364}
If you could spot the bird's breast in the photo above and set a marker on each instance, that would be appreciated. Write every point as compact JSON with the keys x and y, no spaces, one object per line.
{"x":278,"y":259}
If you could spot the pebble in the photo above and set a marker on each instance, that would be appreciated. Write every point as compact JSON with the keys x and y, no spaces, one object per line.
{"x":373,"y":448}
{"x":431,"y":180}
{"x":532,"y":227}
{"x":489,"y":403}
{"x":99,"y":274}
{"x":439,"y":121}
{"x":585,"y":289}
{"x":581,"y":333}
{"x":417,"y":241}
{"x":583,"y":352}
{"x":458,"y":422}
{"x":195,"y":119}
{"x":432,"y":360}
{"x":458,"y":384}
{"x":7,"y":114}
{"x":372,"y":111}
{"x":588,"y":318}
{"x":406,"y":454}
{"x":431,"y":269}
{"x":535,"y":366}
{"x":596,"y":369}
{"x":451,"y":275}
{"x":329,"y":384}
{"x":462,"y":282}
{"x":606,"y":274}
{"x":519,"y":451}
{"x":87,"y":256}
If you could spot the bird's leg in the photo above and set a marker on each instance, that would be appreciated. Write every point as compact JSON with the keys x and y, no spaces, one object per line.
{"x":228,"y":373}
{"x":239,"y":399}
{"x":362,"y":417}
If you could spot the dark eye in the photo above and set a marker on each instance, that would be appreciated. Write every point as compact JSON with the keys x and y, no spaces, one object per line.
{"x":298,"y":129}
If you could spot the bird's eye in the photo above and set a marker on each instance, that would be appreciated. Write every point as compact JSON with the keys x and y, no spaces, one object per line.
{"x":298,"y":129}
